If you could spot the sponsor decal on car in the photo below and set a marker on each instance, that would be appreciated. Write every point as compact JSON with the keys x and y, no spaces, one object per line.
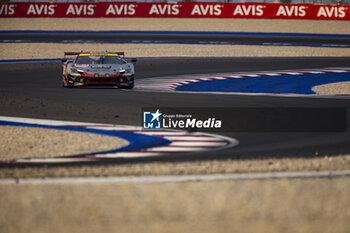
{"x":81,"y":65}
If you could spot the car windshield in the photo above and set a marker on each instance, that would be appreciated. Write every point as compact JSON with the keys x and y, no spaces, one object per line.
{"x":99,"y":60}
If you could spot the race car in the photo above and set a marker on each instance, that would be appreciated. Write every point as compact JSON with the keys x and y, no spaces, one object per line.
{"x":97,"y":68}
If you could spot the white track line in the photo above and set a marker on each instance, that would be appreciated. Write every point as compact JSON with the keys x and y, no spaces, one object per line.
{"x":193,"y":139}
{"x":181,"y":178}
{"x":176,"y":149}
{"x":139,"y":154}
{"x":195,"y":143}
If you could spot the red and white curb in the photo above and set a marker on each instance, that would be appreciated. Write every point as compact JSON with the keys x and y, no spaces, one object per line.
{"x":181,"y":141}
{"x":170,"y":83}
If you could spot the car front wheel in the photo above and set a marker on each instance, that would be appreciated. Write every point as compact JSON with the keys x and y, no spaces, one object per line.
{"x":129,"y":84}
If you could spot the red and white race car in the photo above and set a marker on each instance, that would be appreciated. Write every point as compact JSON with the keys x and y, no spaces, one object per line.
{"x":97,"y":68}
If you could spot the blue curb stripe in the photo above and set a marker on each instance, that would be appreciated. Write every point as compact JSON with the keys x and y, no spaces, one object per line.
{"x":177,"y":33}
{"x":137,"y":141}
{"x":182,"y":43}
{"x":30,"y":60}
{"x":283,"y":84}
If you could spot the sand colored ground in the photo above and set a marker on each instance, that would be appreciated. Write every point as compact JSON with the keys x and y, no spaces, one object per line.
{"x":24,"y":142}
{"x":333,"y":88}
{"x":304,"y":206}
{"x":48,"y":50}
{"x":144,"y":24}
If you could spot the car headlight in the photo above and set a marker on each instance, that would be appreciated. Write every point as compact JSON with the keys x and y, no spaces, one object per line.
{"x":121,"y":70}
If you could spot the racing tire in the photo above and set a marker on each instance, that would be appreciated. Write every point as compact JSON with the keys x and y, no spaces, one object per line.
{"x":130,"y":84}
{"x":68,"y":85}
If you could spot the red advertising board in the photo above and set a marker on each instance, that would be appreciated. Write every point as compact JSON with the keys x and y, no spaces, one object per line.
{"x":177,"y":10}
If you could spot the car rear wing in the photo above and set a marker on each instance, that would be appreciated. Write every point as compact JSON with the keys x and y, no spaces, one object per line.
{"x":77,"y":53}
{"x":71,"y":53}
{"x":119,"y":53}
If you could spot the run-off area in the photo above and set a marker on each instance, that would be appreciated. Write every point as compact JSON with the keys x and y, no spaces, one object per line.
{"x":301,"y":205}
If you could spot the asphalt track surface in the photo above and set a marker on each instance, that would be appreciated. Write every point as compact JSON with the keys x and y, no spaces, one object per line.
{"x":240,"y":38}
{"x":34,"y":90}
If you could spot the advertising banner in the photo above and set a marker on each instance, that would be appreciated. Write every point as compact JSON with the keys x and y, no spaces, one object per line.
{"x":177,"y":10}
